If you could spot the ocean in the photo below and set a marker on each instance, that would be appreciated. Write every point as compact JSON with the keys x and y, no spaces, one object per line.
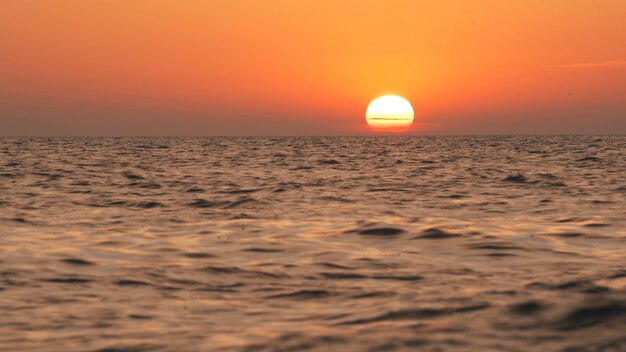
{"x":391,"y":243}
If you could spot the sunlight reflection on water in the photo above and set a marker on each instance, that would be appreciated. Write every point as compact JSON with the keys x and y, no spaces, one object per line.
{"x":386,"y":243}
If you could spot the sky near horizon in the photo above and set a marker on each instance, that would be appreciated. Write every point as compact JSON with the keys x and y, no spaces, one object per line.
{"x":304,"y":67}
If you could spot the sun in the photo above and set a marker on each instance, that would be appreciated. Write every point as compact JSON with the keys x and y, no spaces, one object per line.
{"x":390,"y":113}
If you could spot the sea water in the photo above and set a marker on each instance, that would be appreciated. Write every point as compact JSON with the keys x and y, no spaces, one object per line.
{"x":326,"y":244}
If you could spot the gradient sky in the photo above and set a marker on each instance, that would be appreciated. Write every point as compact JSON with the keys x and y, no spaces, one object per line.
{"x":310,"y":67}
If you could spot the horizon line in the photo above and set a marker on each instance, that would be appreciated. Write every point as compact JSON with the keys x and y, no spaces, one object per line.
{"x":380,"y":134}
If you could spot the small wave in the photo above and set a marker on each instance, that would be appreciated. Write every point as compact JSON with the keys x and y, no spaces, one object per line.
{"x":262,"y":250}
{"x":592,"y":315}
{"x":497,"y":246}
{"x":9,"y":175}
{"x":527,"y":308}
{"x":147,"y":185}
{"x":380,"y":231}
{"x":240,"y":272}
{"x":417,"y":314}
{"x":565,"y":234}
{"x":69,"y":280}
{"x":590,"y":158}
{"x":304,"y":294}
{"x":149,"y":205}
{"x":242,"y":191}
{"x":583,"y":286}
{"x":139,"y":316}
{"x":198,"y":255}
{"x":77,"y":261}
{"x":343,"y":276}
{"x":519,"y":178}
{"x":387,"y":190}
{"x":336,"y":266}
{"x":126,"y":282}
{"x":194,"y":189}
{"x":202,"y":203}
{"x":131,"y":176}
{"x":436,"y":234}
{"x":355,"y":276}
{"x":239,"y":202}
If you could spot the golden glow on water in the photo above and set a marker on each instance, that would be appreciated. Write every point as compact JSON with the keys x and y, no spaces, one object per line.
{"x":390,"y":113}
{"x":281,"y":242}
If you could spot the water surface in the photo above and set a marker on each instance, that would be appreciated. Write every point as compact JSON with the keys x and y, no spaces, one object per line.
{"x":325,"y":244}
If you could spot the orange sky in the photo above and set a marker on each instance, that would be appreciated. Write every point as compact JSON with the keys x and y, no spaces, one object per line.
{"x":292,"y":67}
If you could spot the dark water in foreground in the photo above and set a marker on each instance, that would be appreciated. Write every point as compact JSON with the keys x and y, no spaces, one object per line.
{"x":325,"y":244}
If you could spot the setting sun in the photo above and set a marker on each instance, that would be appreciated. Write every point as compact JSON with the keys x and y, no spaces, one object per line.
{"x":390,"y":113}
